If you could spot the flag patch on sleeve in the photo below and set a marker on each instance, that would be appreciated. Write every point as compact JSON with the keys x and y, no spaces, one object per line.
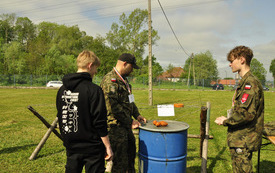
{"x":113,"y":79}
{"x":247,"y":87}
{"x":244,"y":98}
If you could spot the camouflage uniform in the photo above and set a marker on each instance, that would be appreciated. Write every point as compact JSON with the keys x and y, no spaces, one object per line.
{"x":119,"y":114}
{"x":245,"y":126}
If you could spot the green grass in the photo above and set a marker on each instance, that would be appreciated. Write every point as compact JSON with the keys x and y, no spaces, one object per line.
{"x":21,"y":131}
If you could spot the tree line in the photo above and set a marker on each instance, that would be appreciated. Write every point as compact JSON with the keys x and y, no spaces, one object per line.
{"x":51,"y":49}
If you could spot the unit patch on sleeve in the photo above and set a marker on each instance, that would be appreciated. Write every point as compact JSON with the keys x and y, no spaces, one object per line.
{"x":113,"y":88}
{"x":247,"y":87}
{"x":244,"y":98}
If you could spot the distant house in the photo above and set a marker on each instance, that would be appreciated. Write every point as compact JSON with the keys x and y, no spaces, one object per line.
{"x":228,"y":82}
{"x":172,"y":75}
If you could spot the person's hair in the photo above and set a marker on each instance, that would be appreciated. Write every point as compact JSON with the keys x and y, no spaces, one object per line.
{"x":86,"y":57}
{"x":240,"y":51}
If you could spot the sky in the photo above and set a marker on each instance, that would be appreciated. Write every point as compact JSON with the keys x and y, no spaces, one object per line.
{"x":199,"y":25}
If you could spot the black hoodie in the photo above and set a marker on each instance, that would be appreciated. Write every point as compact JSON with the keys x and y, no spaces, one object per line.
{"x":81,"y":113}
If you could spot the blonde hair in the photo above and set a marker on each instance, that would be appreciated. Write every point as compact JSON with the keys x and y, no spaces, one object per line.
{"x":240,"y":51}
{"x":86,"y":57}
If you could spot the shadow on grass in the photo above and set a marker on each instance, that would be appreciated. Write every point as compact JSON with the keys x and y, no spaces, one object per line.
{"x":15,"y":149}
{"x":49,"y":154}
{"x":193,"y":169}
{"x":213,"y":163}
{"x":266,"y":166}
{"x":210,"y":167}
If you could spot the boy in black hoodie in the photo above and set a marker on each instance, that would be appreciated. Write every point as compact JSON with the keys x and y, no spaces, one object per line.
{"x":82,"y":118}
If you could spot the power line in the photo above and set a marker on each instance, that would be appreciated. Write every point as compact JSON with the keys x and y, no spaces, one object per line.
{"x":94,"y":10}
{"x":172,"y":29}
{"x":193,"y":4}
{"x":95,"y":3}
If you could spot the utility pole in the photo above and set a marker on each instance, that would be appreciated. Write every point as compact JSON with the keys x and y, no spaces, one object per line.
{"x":189,"y":69}
{"x":193,"y":69}
{"x":150,"y":54}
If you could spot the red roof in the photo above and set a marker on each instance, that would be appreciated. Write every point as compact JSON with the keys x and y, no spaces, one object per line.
{"x":225,"y":82}
{"x":173,"y":73}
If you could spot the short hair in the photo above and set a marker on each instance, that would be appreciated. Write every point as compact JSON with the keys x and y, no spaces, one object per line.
{"x":240,"y":51}
{"x":86,"y":57}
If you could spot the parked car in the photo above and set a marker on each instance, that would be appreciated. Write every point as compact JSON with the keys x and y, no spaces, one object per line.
{"x":218,"y":87}
{"x":54,"y":84}
{"x":265,"y":88}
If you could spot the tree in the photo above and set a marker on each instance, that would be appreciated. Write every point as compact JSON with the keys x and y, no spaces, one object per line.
{"x":258,"y":70}
{"x":205,"y":67}
{"x":131,"y":35}
{"x":25,"y":30}
{"x":156,"y":67}
{"x":68,"y":39}
{"x":107,"y":55}
{"x":170,"y":67}
{"x":14,"y":58}
{"x":7,"y":27}
{"x":272,"y":68}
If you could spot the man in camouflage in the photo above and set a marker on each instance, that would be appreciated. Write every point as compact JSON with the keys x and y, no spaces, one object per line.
{"x":120,"y":110}
{"x":245,"y":125}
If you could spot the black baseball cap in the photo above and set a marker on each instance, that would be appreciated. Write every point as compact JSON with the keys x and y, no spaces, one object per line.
{"x":129,"y":58}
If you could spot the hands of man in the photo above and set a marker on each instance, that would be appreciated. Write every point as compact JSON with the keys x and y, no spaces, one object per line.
{"x":109,"y":154}
{"x":220,"y":120}
{"x":141,"y":119}
{"x":135,"y":124}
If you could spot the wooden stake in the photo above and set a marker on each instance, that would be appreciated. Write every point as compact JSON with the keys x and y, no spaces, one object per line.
{"x":205,"y":141}
{"x":43,"y":140}
{"x":44,"y":121}
{"x":202,"y":126}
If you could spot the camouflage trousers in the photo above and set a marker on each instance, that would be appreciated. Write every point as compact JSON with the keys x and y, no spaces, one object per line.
{"x":123,"y":144}
{"x":241,"y":160}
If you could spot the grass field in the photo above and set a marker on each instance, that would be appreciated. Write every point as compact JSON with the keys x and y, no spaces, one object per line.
{"x":21,"y":131}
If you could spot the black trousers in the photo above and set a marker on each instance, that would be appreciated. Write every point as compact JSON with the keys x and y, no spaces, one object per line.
{"x":94,"y":163}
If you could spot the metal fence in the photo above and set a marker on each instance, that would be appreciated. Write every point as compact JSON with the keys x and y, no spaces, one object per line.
{"x":136,"y":82}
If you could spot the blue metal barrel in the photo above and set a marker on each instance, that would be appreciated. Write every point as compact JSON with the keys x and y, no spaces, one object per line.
{"x":163,"y":149}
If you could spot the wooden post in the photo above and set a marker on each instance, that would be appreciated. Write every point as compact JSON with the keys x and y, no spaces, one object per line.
{"x":44,"y":121}
{"x":202,"y":127}
{"x":43,"y":140}
{"x":189,"y":72}
{"x":205,"y":141}
{"x":194,"y":76}
{"x":150,"y":71}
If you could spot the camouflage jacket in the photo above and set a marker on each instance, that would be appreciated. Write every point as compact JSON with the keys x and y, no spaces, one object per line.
{"x":119,"y":109}
{"x":245,"y":127}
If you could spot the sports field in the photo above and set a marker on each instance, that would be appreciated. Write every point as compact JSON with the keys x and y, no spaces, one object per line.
{"x":21,"y":131}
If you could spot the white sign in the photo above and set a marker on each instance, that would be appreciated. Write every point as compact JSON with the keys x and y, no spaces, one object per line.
{"x":166,"y":110}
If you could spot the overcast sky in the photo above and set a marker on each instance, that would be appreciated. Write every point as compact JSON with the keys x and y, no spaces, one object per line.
{"x":200,"y":25}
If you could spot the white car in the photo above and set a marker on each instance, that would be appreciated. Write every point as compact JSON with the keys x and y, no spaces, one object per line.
{"x":56,"y":84}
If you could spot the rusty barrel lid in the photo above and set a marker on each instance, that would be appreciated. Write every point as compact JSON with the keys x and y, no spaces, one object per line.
{"x":173,"y":126}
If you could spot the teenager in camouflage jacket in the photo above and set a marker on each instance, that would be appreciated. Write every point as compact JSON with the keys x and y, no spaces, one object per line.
{"x":245,"y":125}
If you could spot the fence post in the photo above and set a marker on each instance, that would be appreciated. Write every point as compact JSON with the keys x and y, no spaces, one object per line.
{"x":31,"y":79}
{"x":14,"y":79}
{"x":202,"y":127}
{"x":205,"y":141}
